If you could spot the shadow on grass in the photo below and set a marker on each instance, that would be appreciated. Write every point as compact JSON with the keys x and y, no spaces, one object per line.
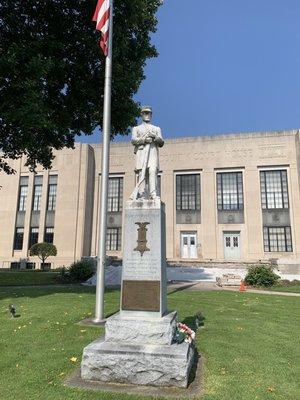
{"x":195,"y":322}
{"x":182,"y":287}
{"x":196,"y":368}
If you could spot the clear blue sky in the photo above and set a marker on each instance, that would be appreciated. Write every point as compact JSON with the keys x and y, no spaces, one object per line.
{"x":224,"y":66}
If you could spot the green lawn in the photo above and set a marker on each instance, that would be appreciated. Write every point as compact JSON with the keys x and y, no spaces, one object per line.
{"x":249,"y":341}
{"x":25,"y":278}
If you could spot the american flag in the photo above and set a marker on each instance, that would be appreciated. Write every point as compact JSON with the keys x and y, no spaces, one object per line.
{"x":101,"y":17}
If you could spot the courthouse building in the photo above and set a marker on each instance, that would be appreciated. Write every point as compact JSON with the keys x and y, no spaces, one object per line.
{"x":229,"y":199}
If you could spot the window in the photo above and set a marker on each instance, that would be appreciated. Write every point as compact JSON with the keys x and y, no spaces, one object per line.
{"x":19,"y":236}
{"x":278,"y":239}
{"x":188,"y":192}
{"x":46,"y":266}
{"x":33,"y":237}
{"x":37,"y":193}
{"x":23,"y":193}
{"x":52,"y":190}
{"x":30,"y":265}
{"x":15,"y":265}
{"x":230,"y":191}
{"x":49,"y":233}
{"x":113,"y":242}
{"x":115,"y":195}
{"x":274,"y":189}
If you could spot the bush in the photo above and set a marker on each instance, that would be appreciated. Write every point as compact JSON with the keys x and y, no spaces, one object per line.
{"x":261,"y":275}
{"x":81,"y":271}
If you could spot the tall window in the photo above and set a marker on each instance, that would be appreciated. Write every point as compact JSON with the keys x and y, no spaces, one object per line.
{"x":37,"y":193}
{"x":33,"y":237}
{"x":188,"y":192}
{"x":19,"y":236}
{"x":49,"y":233}
{"x":230,"y":191}
{"x":113,"y":239}
{"x":115,"y":194}
{"x":274,"y":189}
{"x":23,"y":191}
{"x":52,"y":190}
{"x":278,"y":239}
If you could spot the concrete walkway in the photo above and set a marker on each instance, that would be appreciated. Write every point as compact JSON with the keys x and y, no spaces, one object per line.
{"x":262,"y":291}
{"x":205,"y":286}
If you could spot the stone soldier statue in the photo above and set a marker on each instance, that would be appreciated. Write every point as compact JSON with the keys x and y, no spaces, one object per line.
{"x":146,"y":139}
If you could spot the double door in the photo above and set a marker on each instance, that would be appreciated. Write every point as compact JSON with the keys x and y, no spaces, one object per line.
{"x":189,"y":245}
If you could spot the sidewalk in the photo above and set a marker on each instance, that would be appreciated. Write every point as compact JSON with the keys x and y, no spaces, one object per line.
{"x":206,"y":286}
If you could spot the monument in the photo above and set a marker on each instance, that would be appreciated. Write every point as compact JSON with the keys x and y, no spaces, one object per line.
{"x":139,"y":346}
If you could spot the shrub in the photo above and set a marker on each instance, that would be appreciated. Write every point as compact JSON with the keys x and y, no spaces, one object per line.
{"x":81,"y":271}
{"x":261,"y":275}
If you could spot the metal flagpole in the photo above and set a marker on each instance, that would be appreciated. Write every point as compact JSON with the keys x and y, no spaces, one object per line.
{"x":100,"y":288}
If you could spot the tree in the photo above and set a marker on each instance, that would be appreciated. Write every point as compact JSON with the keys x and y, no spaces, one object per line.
{"x":43,"y":251}
{"x":52,"y":73}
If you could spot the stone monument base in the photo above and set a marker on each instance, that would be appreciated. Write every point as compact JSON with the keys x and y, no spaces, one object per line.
{"x":155,"y":365}
{"x":139,"y":351}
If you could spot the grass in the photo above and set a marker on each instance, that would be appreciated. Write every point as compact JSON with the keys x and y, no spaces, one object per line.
{"x":249,"y":342}
{"x":26,"y":278}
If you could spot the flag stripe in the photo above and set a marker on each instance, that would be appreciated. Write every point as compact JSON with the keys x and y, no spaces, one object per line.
{"x":101,"y":17}
{"x":99,"y":4}
{"x":103,"y":9}
{"x":103,"y":23}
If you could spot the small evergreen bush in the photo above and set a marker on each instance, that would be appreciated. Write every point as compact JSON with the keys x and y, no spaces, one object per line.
{"x":261,"y":275}
{"x":81,"y":271}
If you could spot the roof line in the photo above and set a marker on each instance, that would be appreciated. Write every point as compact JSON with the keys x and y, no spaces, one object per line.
{"x":229,"y":136}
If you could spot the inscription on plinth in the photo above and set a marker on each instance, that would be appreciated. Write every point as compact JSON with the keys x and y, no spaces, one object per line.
{"x":142,"y":270}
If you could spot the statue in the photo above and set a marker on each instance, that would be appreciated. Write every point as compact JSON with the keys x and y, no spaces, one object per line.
{"x":146,"y":139}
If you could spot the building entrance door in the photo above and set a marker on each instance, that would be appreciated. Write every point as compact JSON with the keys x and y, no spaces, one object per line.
{"x":189,"y":245}
{"x":232,"y":245}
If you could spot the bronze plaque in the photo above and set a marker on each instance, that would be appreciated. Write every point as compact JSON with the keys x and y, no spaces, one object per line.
{"x":141,"y":296}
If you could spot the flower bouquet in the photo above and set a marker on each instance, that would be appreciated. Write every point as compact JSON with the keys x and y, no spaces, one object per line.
{"x":184,"y":334}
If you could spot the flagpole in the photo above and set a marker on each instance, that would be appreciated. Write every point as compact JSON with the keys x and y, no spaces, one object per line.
{"x":101,"y":261}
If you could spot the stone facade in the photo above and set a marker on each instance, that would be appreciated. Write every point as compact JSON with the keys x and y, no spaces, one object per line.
{"x":194,"y":233}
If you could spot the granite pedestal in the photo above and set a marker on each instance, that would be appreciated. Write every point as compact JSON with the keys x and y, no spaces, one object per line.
{"x":139,"y":346}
